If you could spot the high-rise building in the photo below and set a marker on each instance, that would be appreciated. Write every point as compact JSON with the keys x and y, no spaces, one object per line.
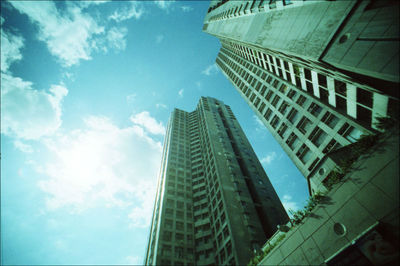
{"x":214,"y":203}
{"x":318,"y":74}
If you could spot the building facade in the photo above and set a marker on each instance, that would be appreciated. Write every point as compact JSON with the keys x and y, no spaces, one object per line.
{"x":294,"y":62}
{"x":214,"y":203}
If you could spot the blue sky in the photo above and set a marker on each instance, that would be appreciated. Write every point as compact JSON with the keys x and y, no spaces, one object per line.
{"x":86,"y":92}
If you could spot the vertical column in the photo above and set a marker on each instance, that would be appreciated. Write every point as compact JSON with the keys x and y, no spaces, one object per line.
{"x":314,"y":77}
{"x":351,"y":100}
{"x":379,"y":107}
{"x":331,"y":91}
{"x":292,"y":73}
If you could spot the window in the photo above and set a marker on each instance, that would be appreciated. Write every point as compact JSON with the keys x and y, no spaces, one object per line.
{"x":330,"y":119}
{"x":179,"y":236}
{"x":168,"y":223}
{"x":167,"y":236}
{"x":304,"y":154}
{"x":293,"y":115}
{"x":301,"y":100}
{"x":166,"y":250}
{"x":292,"y":94}
{"x":261,"y":109}
{"x":269,"y":95}
{"x":304,"y":125}
{"x":353,"y":134}
{"x":340,"y":87}
{"x":275,"y":121}
{"x":292,"y":141}
{"x":283,"y":108}
{"x":275,"y":100}
{"x":263,"y":89}
{"x":317,"y":136}
{"x":332,"y":145}
{"x":313,"y":164}
{"x":179,"y":252}
{"x":179,"y":225}
{"x":322,"y":80}
{"x":283,"y":88}
{"x":282,"y":129}
{"x":364,"y":97}
{"x":169,"y":211}
{"x":267,"y":114}
{"x":315,"y":109}
{"x":307,"y":74}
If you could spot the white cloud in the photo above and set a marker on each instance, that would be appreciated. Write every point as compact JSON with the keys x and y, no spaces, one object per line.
{"x":289,"y":204}
{"x":69,"y":36}
{"x":164,"y":4}
{"x":1,"y":20}
{"x":10,"y":49}
{"x":116,"y":38}
{"x":131,"y":98}
{"x":133,"y":10}
{"x":86,"y":4}
{"x":149,"y":123}
{"x":159,"y":38}
{"x":210,"y":70}
{"x":28,"y":113}
{"x":68,"y":75}
{"x":161,"y":105}
{"x":258,"y":121}
{"x":180,"y":93}
{"x":103,"y":165}
{"x":23,"y":147}
{"x":198,"y":84}
{"x":268,"y":158}
{"x":186,"y":8}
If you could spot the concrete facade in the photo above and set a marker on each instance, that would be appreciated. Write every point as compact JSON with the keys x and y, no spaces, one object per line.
{"x":214,"y":204}
{"x":357,"y":36}
{"x":360,"y":212}
{"x":272,"y":55}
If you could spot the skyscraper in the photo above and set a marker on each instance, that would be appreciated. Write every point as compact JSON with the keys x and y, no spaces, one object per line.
{"x":214,"y":203}
{"x":313,"y":71}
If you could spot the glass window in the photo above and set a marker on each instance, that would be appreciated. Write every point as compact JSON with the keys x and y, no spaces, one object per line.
{"x":364,"y":97}
{"x":315,"y":109}
{"x":330,"y":119}
{"x":304,"y":125}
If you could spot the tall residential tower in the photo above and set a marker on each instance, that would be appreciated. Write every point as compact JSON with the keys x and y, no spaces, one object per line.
{"x":318,"y":74}
{"x":214,"y":203}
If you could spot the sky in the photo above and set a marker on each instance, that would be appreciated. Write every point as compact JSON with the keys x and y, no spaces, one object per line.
{"x":86,"y":92}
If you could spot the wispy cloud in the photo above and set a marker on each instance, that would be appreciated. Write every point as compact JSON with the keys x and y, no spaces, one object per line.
{"x":161,"y":105}
{"x":198,"y":84}
{"x":102,"y":165}
{"x":116,"y":38}
{"x":130,"y":98}
{"x":23,"y":147}
{"x":11,"y":46}
{"x":29,"y":113}
{"x":289,"y":204}
{"x":268,"y":158}
{"x":180,"y":93}
{"x":148,"y":123}
{"x":186,"y":8}
{"x":164,"y":4}
{"x":131,"y":10}
{"x":210,"y":70}
{"x":69,"y":36}
{"x":159,"y":38}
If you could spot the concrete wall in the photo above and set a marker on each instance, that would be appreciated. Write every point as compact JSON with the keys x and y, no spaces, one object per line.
{"x":368,"y":43}
{"x":369,"y":196}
